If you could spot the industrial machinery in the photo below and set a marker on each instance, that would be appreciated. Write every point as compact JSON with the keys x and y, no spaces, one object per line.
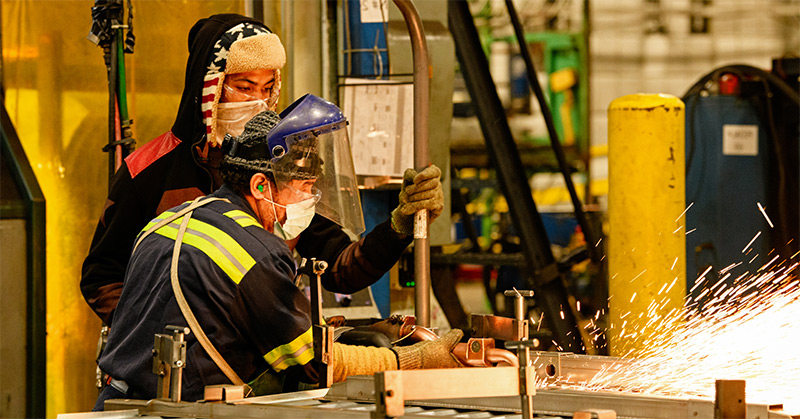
{"x":741,"y":170}
{"x":530,"y":384}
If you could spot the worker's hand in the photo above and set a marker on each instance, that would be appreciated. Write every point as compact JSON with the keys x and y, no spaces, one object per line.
{"x":420,"y":191}
{"x":436,"y":353}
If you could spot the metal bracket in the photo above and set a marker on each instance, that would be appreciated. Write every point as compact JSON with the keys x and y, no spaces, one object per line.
{"x":504,"y":328}
{"x":595,"y":414}
{"x":223,"y":392}
{"x":481,"y":352}
{"x":169,"y":359}
{"x":497,"y":327}
{"x":729,"y":401}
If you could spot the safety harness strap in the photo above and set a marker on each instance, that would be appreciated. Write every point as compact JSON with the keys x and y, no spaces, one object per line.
{"x":194,"y":325}
{"x":196,"y":203}
{"x":184,"y":305}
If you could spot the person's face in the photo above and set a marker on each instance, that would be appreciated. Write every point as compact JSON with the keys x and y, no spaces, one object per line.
{"x":291,"y":193}
{"x":295,"y":191}
{"x":250,"y":85}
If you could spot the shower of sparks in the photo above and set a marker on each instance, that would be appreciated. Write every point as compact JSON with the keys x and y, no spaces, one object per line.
{"x":745,"y":331}
{"x":763,"y":211}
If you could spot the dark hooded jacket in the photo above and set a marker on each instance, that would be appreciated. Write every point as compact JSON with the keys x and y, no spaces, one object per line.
{"x":167,"y":171}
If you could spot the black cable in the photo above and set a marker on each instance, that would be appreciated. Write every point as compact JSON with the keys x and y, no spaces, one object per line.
{"x":744,"y":69}
{"x":783,"y":204}
{"x":564,"y":167}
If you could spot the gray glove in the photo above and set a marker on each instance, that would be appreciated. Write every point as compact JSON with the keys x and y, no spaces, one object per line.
{"x":436,"y":353}
{"x":420,"y":191}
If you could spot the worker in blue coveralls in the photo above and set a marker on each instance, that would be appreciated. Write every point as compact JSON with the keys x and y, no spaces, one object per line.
{"x":221,"y":266}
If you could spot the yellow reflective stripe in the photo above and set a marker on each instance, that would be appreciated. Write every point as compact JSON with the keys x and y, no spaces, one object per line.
{"x":154,"y":221}
{"x":242,"y":218}
{"x":297,"y":352}
{"x":231,"y":257}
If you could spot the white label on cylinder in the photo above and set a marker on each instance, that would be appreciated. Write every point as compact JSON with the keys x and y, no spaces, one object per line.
{"x":421,"y":224}
{"x":740,"y":140}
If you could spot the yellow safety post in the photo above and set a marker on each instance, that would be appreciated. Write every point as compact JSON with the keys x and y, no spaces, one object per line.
{"x":646,"y":232}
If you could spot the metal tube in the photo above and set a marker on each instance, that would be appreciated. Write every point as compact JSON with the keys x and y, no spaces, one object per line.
{"x":526,"y":401}
{"x":176,"y":379}
{"x":422,"y":263}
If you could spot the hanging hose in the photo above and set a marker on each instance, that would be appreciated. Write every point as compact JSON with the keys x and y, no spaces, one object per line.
{"x":107,"y":33}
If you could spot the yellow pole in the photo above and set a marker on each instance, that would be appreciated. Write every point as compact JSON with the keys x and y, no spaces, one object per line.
{"x":646,"y":244}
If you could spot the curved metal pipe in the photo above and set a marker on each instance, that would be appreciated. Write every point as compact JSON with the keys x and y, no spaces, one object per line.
{"x":422,"y":260}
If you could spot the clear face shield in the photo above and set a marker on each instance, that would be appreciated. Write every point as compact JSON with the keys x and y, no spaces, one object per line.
{"x":319,"y":166}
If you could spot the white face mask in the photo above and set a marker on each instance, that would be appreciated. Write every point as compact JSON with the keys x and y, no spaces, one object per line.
{"x":231,"y":116}
{"x":298,"y":217}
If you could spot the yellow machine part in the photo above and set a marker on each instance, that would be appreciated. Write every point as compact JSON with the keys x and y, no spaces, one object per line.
{"x":646,"y":204}
{"x":56,"y":93}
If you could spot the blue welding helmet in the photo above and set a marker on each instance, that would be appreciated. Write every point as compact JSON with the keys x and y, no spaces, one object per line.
{"x":311,"y":142}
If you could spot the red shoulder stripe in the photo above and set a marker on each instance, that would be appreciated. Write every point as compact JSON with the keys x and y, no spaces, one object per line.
{"x":150,"y":152}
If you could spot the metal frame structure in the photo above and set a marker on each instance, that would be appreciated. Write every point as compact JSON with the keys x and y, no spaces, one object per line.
{"x":36,"y":282}
{"x":422,"y":251}
{"x":354,"y":398}
{"x":548,"y":281}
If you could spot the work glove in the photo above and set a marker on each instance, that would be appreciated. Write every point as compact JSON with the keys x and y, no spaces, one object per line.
{"x":420,"y":191}
{"x":436,"y":353}
{"x":360,"y":360}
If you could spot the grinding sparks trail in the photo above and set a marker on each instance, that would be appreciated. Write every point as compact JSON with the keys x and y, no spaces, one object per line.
{"x":764,"y":212}
{"x":748,"y":332}
{"x":751,"y":242}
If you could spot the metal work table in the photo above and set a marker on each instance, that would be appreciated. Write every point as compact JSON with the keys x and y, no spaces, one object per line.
{"x":354,"y":398}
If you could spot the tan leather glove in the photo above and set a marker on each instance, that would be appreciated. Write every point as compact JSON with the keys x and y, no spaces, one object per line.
{"x":420,"y":191}
{"x":430,"y":353}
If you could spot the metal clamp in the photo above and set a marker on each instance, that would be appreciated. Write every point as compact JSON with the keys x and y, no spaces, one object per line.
{"x":520,"y":307}
{"x":523,"y":347}
{"x":481,"y":352}
{"x":169,"y":359}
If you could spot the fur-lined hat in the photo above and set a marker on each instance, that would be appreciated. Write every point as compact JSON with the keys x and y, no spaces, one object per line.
{"x":244,"y":47}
